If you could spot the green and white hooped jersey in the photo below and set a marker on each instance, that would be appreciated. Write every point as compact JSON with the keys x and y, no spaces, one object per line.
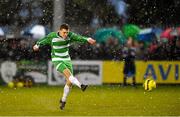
{"x":60,"y":46}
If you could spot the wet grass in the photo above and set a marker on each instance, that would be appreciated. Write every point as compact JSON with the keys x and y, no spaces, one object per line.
{"x":106,"y":100}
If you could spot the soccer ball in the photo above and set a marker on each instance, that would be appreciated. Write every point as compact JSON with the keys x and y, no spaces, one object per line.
{"x":20,"y":84}
{"x":10,"y":84}
{"x":149,"y":84}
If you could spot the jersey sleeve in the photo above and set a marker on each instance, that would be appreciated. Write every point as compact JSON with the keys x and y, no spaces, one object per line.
{"x":77,"y":38}
{"x":46,"y":40}
{"x":125,"y":52}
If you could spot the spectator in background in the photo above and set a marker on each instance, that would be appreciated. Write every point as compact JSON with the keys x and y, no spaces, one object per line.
{"x":141,"y":51}
{"x":159,"y":51}
{"x":153,"y":48}
{"x":37,"y":12}
{"x":121,"y":9}
{"x":24,"y":14}
{"x":176,"y":52}
{"x":129,"y":53}
{"x":96,"y":21}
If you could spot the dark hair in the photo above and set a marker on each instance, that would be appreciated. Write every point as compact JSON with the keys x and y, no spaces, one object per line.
{"x":64,"y":26}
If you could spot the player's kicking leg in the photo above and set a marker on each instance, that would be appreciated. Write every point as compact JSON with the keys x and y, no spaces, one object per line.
{"x":74,"y":80}
{"x":70,"y":79}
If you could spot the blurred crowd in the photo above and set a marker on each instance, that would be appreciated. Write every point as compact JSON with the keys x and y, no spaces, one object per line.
{"x":21,"y":15}
{"x":21,"y":48}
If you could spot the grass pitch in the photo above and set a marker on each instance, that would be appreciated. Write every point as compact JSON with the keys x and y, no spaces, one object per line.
{"x":106,"y":100}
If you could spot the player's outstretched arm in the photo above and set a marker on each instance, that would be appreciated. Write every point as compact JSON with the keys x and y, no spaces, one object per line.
{"x":44,"y":41}
{"x":91,"y":41}
{"x":78,"y":38}
{"x":36,"y":47}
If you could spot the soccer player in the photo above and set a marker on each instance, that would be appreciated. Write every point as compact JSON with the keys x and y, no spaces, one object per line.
{"x":60,"y":42}
{"x":129,"y":55}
